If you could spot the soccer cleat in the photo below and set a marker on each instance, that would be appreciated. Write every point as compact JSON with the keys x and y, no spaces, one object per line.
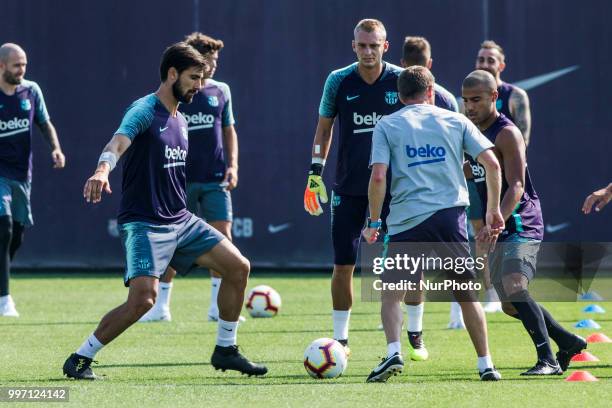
{"x":490,"y":374}
{"x":156,"y":314}
{"x":79,"y":367}
{"x":7,"y":307}
{"x":229,"y":358}
{"x":347,"y":349}
{"x":456,"y":325}
{"x":544,"y":368}
{"x":564,"y":356}
{"x":388,"y":366}
{"x":493,"y":307}
{"x":416,"y":347}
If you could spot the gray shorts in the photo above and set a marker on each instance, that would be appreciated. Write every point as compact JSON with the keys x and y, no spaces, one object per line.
{"x":15,"y":200}
{"x":514,"y":255}
{"x":151,"y":248}
{"x":209,"y":201}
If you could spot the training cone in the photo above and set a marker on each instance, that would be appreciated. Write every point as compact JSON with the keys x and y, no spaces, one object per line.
{"x":584,"y":356}
{"x":587,"y":324}
{"x":581,"y":376}
{"x":598,"y":338}
{"x":590,"y":295}
{"x":594,"y":309}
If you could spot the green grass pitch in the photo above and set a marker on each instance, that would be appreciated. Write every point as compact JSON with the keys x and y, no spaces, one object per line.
{"x":168,"y":364}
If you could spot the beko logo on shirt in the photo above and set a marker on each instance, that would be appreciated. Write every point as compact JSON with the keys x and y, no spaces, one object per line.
{"x":433,"y":153}
{"x":478,"y":172}
{"x":14,"y":123}
{"x":175,"y":153}
{"x":366,"y":119}
{"x":200,"y":119}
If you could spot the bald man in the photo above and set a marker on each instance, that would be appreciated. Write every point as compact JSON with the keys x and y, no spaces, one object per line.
{"x":21,"y":105}
{"x":513,"y":261}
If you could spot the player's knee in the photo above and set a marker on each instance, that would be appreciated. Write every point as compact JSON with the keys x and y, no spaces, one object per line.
{"x":509,"y":309}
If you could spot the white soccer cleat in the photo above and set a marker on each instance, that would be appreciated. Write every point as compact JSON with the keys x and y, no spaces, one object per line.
{"x":493,"y":307}
{"x":7,"y":307}
{"x":156,"y":314}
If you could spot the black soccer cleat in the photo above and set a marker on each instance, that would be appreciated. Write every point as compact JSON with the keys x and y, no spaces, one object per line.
{"x":79,"y":367}
{"x":564,"y":356}
{"x":229,"y":358}
{"x":544,"y":368}
{"x":388,"y":366}
{"x":490,"y":374}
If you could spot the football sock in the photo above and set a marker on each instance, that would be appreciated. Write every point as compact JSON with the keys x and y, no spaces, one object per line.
{"x":215,"y":283}
{"x":394,"y":347}
{"x":163,"y":294}
{"x":17,"y":238}
{"x":341,"y":324}
{"x":5,"y":262}
{"x":562,"y":337}
{"x":414,"y":315}
{"x":90,"y":347}
{"x":227,"y":332}
{"x":484,"y":363}
{"x":455,"y":312}
{"x":533,"y":319}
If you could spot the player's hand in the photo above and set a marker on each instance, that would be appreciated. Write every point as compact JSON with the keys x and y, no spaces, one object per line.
{"x":59,"y":160}
{"x":487,"y":236}
{"x":370,"y":234}
{"x":231,"y":178}
{"x":95,"y":185}
{"x":599,"y":199}
{"x":314,"y":195}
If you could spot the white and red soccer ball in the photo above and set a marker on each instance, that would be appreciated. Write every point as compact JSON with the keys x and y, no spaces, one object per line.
{"x":263,"y":301}
{"x":325,"y":358}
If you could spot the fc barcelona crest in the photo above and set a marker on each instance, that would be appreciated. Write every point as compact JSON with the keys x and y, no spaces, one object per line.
{"x":391,"y":97}
{"x":26,"y":105}
{"x":213,"y":101}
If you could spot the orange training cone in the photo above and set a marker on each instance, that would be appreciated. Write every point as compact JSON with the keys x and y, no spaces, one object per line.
{"x":598,"y":338}
{"x":581,"y":376}
{"x":584,"y":356}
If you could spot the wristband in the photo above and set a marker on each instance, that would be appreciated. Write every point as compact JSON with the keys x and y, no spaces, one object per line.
{"x":316,"y":169}
{"x":374,"y":224}
{"x":108,"y":157}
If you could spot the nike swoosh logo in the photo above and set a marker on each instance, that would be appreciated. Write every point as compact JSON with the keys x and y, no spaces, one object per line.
{"x":350,"y":98}
{"x":275,"y":229}
{"x":540,"y":345}
{"x":540,"y":80}
{"x":89,"y":342}
{"x":227,"y":329}
{"x":161,"y":129}
{"x":551,"y":229}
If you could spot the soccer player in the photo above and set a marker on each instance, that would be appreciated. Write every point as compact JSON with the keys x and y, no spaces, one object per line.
{"x":513,"y":102}
{"x":513,"y":261}
{"x":417,"y":52}
{"x":21,"y":105}
{"x":212,"y":169}
{"x":599,"y":199}
{"x":359,"y":95}
{"x":429,"y":196}
{"x":156,"y":228}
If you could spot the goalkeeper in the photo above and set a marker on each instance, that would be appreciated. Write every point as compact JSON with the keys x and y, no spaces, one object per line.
{"x":359,"y":95}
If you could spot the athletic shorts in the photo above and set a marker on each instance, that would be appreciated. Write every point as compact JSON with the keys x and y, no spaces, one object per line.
{"x":514,"y":254}
{"x":348,"y":217}
{"x":210,"y":201}
{"x":151,"y":248}
{"x":15,"y":200}
{"x":444,"y":234}
{"x":475,"y":210}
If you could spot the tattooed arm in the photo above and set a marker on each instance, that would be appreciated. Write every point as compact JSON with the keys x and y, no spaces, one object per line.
{"x":521,"y":112}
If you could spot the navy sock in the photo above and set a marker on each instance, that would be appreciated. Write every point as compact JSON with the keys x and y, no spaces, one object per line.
{"x":6,"y":229}
{"x":562,"y":337}
{"x":17,"y":238}
{"x":533,"y":319}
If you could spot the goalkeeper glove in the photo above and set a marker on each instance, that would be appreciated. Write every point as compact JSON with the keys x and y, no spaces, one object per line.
{"x":315,"y":192}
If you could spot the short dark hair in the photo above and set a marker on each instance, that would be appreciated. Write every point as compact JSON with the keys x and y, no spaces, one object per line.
{"x":417,"y":51}
{"x":181,"y":56}
{"x":414,"y":81}
{"x":492,"y":45}
{"x":203,"y":43}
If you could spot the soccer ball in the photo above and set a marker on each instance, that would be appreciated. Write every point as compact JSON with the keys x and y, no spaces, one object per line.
{"x":263,"y":301}
{"x":325,"y":358}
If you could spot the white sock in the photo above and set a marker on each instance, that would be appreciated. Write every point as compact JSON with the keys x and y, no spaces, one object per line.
{"x":215,"y":283}
{"x":484,"y":363}
{"x":5,"y":299}
{"x":394,"y":347}
{"x":455,"y":312}
{"x":90,"y":347}
{"x":491,"y":295}
{"x":227,"y":332}
{"x":414,"y":315}
{"x":163,"y":295}
{"x":341,"y":324}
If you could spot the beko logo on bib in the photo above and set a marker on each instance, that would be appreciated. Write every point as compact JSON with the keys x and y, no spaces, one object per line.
{"x":175,"y":153}
{"x":14,"y":123}
{"x":433,"y":153}
{"x":366,"y":119}
{"x":200,"y":119}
